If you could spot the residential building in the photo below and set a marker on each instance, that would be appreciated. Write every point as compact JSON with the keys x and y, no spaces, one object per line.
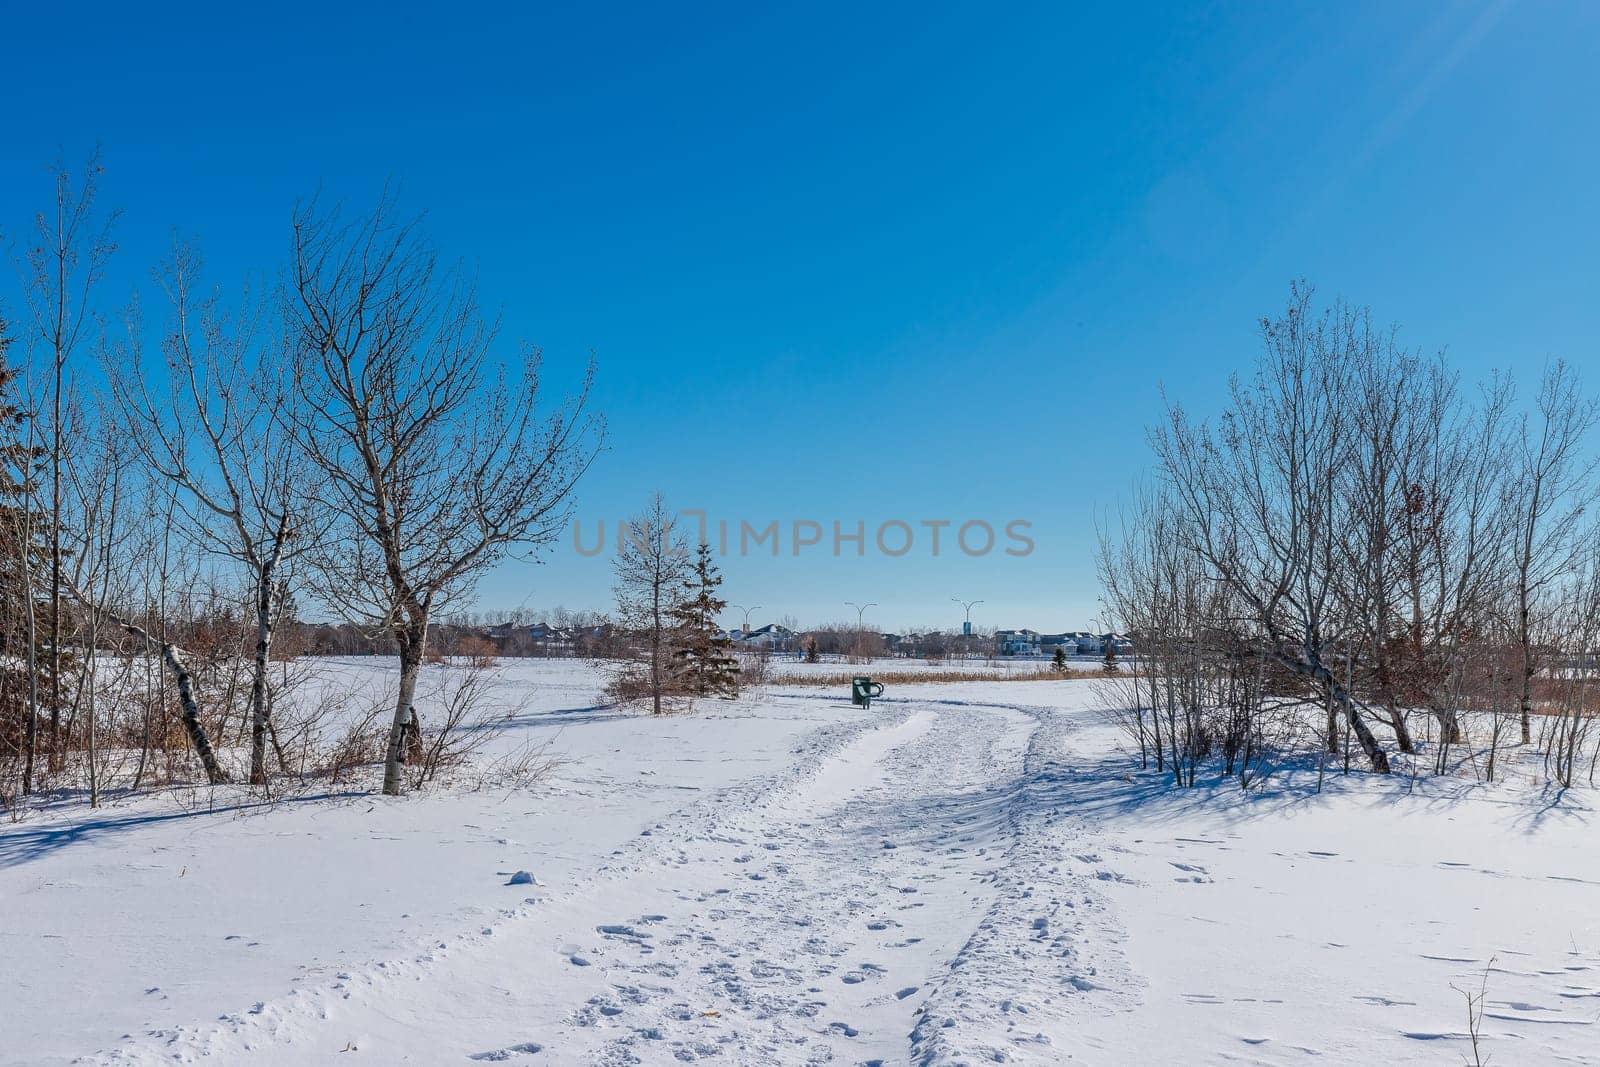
{"x":1017,"y":642}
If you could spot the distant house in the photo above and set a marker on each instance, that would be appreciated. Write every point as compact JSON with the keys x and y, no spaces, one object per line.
{"x":1017,"y":642}
{"x":1067,"y":642}
{"x":770,"y":636}
{"x":550,"y":640}
{"x":1117,"y":643}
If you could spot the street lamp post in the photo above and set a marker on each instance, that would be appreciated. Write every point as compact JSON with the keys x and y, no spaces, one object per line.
{"x":966,"y":622}
{"x":861,"y":613}
{"x":747,"y":611}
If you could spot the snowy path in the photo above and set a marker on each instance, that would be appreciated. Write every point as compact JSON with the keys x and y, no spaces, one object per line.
{"x":967,"y":874}
{"x":850,"y":909}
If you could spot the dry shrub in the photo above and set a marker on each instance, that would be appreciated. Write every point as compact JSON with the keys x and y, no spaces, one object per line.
{"x":327,"y":730}
{"x":458,"y":725}
{"x":361,"y":744}
{"x":479,"y":651}
{"x":755,"y":668}
{"x":519,"y":769}
{"x":629,"y":687}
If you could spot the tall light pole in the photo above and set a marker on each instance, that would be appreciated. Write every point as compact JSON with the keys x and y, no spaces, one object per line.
{"x":747,"y":611}
{"x":861,"y":614}
{"x":966,"y":622}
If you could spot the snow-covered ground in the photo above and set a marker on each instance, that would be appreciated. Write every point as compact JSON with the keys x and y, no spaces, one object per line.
{"x":966,"y":873}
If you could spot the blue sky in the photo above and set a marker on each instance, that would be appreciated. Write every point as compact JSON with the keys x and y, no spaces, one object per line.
{"x":916,"y":263}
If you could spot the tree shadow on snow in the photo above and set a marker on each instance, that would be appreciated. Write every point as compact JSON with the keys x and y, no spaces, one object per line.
{"x":24,"y":842}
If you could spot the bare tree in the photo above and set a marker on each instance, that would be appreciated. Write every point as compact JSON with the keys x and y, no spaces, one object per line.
{"x":1452,"y":543}
{"x":64,"y":264}
{"x":221,"y":434}
{"x":98,"y":490}
{"x":1262,"y":497}
{"x":99,"y":580}
{"x":651,"y":565}
{"x":434,"y":464}
{"x":1551,"y":489}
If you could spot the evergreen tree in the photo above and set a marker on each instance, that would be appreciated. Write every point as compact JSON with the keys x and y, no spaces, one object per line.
{"x":704,"y":663}
{"x":813,"y":653}
{"x":1058,"y":662}
{"x":24,"y":552}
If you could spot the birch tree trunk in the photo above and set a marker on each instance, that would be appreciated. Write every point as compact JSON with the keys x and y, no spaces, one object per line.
{"x":175,"y":660}
{"x":405,"y":731}
{"x":259,"y":709}
{"x":31,"y":657}
{"x":1314,"y":669}
{"x":173,"y":657}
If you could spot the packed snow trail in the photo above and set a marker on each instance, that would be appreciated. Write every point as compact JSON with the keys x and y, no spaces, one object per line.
{"x":875,"y":902}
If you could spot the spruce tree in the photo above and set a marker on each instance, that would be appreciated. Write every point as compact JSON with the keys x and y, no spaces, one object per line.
{"x":704,"y":664}
{"x":23,"y":553}
{"x":1058,"y":662}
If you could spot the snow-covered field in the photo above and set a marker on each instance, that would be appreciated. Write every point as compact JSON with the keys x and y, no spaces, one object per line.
{"x":790,"y":667}
{"x":967,"y":873}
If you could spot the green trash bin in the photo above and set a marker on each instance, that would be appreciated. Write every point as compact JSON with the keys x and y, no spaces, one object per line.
{"x":863,"y":689}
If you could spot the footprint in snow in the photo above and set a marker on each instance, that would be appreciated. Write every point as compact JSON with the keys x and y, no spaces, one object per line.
{"x":621,"y":930}
{"x":500,"y":1055}
{"x":862,"y":973}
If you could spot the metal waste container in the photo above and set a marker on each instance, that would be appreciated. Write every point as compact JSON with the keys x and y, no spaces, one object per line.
{"x":863,"y":689}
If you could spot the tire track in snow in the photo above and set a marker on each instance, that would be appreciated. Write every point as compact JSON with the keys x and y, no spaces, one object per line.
{"x":1034,"y":961}
{"x":854,"y":907}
